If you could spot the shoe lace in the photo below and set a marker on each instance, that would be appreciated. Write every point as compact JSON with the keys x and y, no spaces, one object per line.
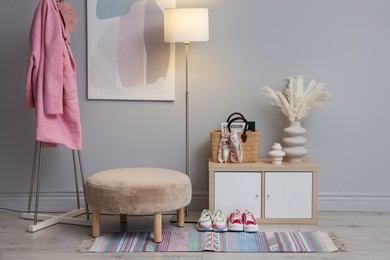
{"x":236,"y":215}
{"x":218,"y":216}
{"x":205,"y":216}
{"x":249,"y":216}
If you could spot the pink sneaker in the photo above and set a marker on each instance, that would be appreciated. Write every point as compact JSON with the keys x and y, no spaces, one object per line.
{"x":219,"y":222}
{"x":235,"y":221}
{"x":205,"y":222}
{"x":250,"y":224}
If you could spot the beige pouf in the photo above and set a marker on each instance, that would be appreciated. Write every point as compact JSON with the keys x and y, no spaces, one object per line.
{"x":138,"y":191}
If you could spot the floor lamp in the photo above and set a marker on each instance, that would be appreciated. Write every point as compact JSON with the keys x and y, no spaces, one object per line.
{"x":186,"y":25}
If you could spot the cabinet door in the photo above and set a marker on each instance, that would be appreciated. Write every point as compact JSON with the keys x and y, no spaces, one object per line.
{"x":288,"y":194}
{"x":238,"y":190}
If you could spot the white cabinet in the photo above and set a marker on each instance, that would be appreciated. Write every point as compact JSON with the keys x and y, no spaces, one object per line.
{"x":285,"y":194}
{"x":288,"y":195}
{"x":238,"y":190}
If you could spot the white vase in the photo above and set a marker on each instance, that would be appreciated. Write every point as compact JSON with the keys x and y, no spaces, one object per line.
{"x":294,"y":142}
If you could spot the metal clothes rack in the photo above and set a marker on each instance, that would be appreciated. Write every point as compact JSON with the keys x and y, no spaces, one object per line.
{"x":49,"y":220}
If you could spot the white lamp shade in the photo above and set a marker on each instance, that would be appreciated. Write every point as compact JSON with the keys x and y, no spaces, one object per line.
{"x":186,"y":25}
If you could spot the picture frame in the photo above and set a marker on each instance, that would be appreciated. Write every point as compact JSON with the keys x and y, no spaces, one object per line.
{"x":127,"y":56}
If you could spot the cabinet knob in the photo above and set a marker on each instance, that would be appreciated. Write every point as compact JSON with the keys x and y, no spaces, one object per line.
{"x":268,"y":196}
{"x":257,"y":195}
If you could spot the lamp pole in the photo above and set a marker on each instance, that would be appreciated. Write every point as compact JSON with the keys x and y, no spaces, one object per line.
{"x":186,"y":44}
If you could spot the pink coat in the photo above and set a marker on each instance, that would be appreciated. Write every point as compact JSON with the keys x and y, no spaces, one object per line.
{"x":51,"y":79}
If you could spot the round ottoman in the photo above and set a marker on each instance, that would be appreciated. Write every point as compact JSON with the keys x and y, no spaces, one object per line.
{"x":138,"y":191}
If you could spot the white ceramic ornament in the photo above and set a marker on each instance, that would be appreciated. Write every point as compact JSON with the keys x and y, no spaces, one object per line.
{"x":276,"y":154}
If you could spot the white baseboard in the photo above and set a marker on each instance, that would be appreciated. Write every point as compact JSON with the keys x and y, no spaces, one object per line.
{"x":327,"y":201}
{"x":353,"y":201}
{"x":200,"y":200}
{"x":48,"y":201}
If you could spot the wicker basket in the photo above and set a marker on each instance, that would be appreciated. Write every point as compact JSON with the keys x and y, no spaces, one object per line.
{"x":250,"y":148}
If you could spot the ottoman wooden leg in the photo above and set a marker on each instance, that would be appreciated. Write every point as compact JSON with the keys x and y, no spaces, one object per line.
{"x":180,"y":217}
{"x":123,"y":218}
{"x":157,"y":227}
{"x":95,"y":223}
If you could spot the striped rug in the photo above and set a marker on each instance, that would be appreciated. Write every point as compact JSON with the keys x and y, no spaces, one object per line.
{"x":192,"y":241}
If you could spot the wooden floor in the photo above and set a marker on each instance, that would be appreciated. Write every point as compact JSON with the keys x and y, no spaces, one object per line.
{"x":366,"y":234}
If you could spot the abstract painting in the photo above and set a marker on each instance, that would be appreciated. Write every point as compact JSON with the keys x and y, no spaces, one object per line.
{"x":127,"y":56}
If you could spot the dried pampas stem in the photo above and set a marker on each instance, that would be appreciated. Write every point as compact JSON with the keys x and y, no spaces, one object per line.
{"x":296,"y":102}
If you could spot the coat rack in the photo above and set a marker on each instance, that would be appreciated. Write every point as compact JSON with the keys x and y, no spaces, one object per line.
{"x":49,"y":220}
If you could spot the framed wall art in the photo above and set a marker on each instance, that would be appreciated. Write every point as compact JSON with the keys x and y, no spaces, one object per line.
{"x":127,"y":56}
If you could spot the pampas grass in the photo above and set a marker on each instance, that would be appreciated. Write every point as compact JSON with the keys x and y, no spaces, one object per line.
{"x":295,"y":101}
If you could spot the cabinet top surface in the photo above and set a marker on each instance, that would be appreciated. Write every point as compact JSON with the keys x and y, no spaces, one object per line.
{"x":264,"y":164}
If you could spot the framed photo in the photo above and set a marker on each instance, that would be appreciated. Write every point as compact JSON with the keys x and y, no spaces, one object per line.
{"x":127,"y":56}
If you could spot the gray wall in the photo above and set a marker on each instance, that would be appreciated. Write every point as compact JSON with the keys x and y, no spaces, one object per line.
{"x":252,"y":43}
